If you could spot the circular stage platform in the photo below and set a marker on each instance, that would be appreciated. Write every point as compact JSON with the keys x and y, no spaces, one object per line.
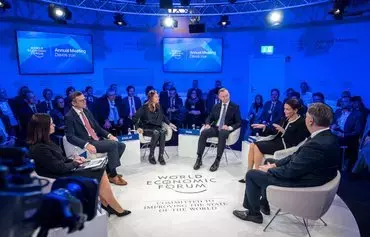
{"x":175,"y":200}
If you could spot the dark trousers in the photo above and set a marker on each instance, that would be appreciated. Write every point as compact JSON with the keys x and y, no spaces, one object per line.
{"x":114,"y":150}
{"x":158,"y":136}
{"x":213,"y":132}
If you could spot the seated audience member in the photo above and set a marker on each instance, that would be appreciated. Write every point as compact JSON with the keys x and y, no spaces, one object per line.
{"x":7,"y":132}
{"x":318,"y":97}
{"x":195,"y":87}
{"x":91,"y":100}
{"x":28,"y":108}
{"x":131,"y":104}
{"x":118,"y":96}
{"x":195,"y":109}
{"x":148,"y":119}
{"x":315,"y":163}
{"x":306,"y":95}
{"x":223,"y":119}
{"x":255,"y":111}
{"x":358,"y":105}
{"x":51,"y":163}
{"x":57,"y":114}
{"x":164,"y":95}
{"x":83,"y":131}
{"x":47,"y":105}
{"x":7,"y":107}
{"x":175,"y":110}
{"x":110,"y":113}
{"x":67,"y":99}
{"x":344,"y":94}
{"x":212,"y":97}
{"x":273,"y":109}
{"x":291,"y":131}
{"x":288,"y":94}
{"x":303,"y":110}
{"x":347,"y":127}
{"x":19,"y":99}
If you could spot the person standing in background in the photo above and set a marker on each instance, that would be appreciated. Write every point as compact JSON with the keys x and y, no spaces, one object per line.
{"x":131,"y":104}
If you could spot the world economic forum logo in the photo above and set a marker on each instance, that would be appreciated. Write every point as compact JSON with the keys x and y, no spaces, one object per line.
{"x":37,"y":51}
{"x":182,"y":183}
{"x":176,"y":53}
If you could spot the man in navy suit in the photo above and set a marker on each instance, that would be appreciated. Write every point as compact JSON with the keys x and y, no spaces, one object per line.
{"x":223,"y":119}
{"x":315,"y":163}
{"x":47,"y":105}
{"x":212,"y":97}
{"x":131,"y":104}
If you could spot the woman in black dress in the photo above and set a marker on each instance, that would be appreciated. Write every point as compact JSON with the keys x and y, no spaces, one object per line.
{"x":195,"y":109}
{"x":50,"y":162}
{"x":149,"y":119}
{"x":291,"y":131}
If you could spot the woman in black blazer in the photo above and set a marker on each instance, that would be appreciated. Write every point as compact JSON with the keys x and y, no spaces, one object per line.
{"x":291,"y":131}
{"x":50,"y":162}
{"x":149,"y":119}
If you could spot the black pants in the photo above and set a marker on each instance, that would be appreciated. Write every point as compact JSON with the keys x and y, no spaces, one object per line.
{"x":213,"y":132}
{"x":257,"y":182}
{"x":114,"y":150}
{"x":158,"y":136}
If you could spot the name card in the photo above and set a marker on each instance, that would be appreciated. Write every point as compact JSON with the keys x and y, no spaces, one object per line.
{"x":194,"y":132}
{"x":128,"y":137}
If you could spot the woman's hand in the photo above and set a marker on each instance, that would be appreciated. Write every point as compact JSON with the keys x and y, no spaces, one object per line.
{"x":257,"y":125}
{"x":140,"y":130}
{"x":278,"y":127}
{"x":173,"y":126}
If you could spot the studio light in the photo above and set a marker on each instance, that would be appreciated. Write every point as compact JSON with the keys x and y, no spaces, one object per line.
{"x":118,"y":20}
{"x":169,"y":22}
{"x":59,"y":14}
{"x":4,"y":5}
{"x":224,"y":21}
{"x":338,"y":9}
{"x":275,"y":17}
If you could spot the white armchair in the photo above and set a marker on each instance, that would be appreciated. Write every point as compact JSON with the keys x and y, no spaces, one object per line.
{"x":231,"y":140}
{"x":317,"y":200}
{"x":145,"y":140}
{"x":71,"y":150}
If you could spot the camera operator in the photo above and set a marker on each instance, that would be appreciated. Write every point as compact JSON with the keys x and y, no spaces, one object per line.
{"x":50,"y":162}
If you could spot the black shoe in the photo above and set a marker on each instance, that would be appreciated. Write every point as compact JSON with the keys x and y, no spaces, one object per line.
{"x":198,"y":163}
{"x":152,"y":160}
{"x":215,"y":165}
{"x":242,"y":181}
{"x":265,"y":209}
{"x":161,"y":160}
{"x":245,"y":216}
{"x":110,"y":211}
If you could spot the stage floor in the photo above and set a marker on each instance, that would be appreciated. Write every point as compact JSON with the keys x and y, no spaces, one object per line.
{"x":175,"y":200}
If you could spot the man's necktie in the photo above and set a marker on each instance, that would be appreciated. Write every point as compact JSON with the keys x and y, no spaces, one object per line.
{"x":114,"y":111}
{"x":88,"y":127}
{"x":132,"y":107}
{"x":223,"y":115}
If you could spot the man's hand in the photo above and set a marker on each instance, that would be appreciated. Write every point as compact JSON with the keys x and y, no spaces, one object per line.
{"x":173,"y":126}
{"x":265,"y":168}
{"x":91,"y":148}
{"x":140,"y":130}
{"x":79,"y":160}
{"x":278,"y":127}
{"x":257,"y":125}
{"x":112,"y":138}
{"x":225,"y":127}
{"x":207,"y":126}
{"x":107,"y":125}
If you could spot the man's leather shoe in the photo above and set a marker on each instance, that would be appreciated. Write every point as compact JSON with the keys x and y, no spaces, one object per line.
{"x":117,"y":180}
{"x":242,"y":181}
{"x":152,"y":160}
{"x":245,"y":216}
{"x":215,"y":165}
{"x":265,"y":209}
{"x":198,"y":164}
{"x":161,"y":160}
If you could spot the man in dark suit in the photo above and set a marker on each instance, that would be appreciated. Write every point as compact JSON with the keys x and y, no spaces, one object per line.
{"x":27,"y":109}
{"x":195,"y":87}
{"x":83,"y":131}
{"x":131,"y":104}
{"x":47,"y":105}
{"x":272,"y":110}
{"x":174,"y":111}
{"x":91,"y":100}
{"x":164,"y":95}
{"x":347,"y":126}
{"x":110,"y":113}
{"x":315,"y":163}
{"x":212,"y":97}
{"x":223,"y":119}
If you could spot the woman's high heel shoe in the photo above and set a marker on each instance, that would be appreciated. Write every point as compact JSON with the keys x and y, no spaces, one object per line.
{"x":110,"y":211}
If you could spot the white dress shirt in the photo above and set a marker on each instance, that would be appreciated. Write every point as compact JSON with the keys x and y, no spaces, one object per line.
{"x":219,"y":118}
{"x":318,"y":131}
{"x":82,"y":120}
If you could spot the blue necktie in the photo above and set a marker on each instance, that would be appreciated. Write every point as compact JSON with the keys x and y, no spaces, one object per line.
{"x":223,"y":115}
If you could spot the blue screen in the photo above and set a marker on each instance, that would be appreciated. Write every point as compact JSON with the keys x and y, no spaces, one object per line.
{"x":192,"y":55}
{"x":53,"y":53}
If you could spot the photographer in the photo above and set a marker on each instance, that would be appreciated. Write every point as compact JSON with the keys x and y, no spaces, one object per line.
{"x":50,"y":162}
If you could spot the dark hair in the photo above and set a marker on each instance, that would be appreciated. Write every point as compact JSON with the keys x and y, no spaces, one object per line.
{"x":58,"y":97}
{"x":275,"y":89}
{"x":75,"y":94}
{"x":321,"y":113}
{"x":69,"y":89}
{"x":294,"y":104}
{"x":148,"y":88}
{"x":295,"y":94}
{"x":39,"y":129}
{"x":319,"y":94}
{"x":254,"y":103}
{"x":88,"y":88}
{"x":21,"y":93}
{"x":149,"y":101}
{"x":45,"y":91}
{"x":191,"y":92}
{"x":129,"y":87}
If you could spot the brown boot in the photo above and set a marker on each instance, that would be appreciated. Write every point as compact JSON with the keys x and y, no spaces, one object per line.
{"x":117,"y":180}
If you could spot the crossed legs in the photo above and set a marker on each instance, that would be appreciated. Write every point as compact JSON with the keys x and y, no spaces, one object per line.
{"x":255,"y":157}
